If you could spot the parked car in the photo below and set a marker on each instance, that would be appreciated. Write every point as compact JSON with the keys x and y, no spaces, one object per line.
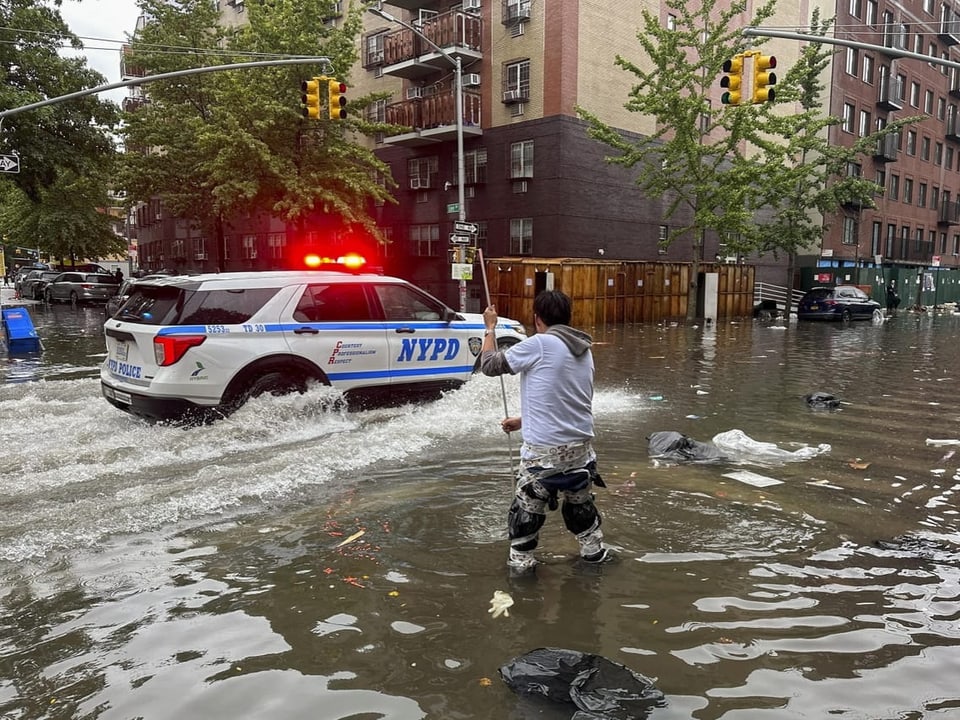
{"x":126,"y":287}
{"x":842,"y":302}
{"x":33,"y":284}
{"x":193,"y":348}
{"x":80,"y":287}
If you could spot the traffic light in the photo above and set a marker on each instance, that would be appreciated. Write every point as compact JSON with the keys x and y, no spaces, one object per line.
{"x":732,"y":81}
{"x":338,"y":100}
{"x":763,"y":79}
{"x":310,"y":98}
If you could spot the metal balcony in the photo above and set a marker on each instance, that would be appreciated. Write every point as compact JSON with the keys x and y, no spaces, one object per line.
{"x":407,"y":55}
{"x":949,"y":32}
{"x":890,"y":93}
{"x":949,"y":213}
{"x":886,"y":150}
{"x":433,"y":119}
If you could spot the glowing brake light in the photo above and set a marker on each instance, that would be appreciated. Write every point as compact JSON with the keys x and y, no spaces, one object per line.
{"x":168,"y":349}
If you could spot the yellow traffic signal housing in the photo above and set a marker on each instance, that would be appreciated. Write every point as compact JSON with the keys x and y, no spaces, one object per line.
{"x":338,"y":100}
{"x":733,"y":80}
{"x":310,"y":98}
{"x":763,"y":78}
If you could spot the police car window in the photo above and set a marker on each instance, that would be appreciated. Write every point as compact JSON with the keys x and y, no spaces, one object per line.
{"x":403,"y":303}
{"x":151,"y":305}
{"x":224,"y":307}
{"x":339,"y":302}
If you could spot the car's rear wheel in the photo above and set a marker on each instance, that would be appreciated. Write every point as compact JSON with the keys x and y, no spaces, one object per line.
{"x":269,"y":381}
{"x":48,"y":297}
{"x":74,"y":299}
{"x":845,"y":316}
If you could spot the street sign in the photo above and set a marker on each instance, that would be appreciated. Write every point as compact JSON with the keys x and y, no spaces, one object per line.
{"x":460,"y":239}
{"x":461,"y":271}
{"x":453,"y":207}
{"x":465,"y":227}
{"x":10,"y":163}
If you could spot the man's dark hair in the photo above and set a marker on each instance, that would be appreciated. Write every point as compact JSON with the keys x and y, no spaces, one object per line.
{"x":552,"y":307}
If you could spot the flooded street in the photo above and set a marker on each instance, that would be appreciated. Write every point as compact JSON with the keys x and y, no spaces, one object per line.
{"x":296,"y":562}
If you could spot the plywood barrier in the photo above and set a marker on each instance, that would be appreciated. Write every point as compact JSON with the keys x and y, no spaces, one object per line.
{"x":615,"y":292}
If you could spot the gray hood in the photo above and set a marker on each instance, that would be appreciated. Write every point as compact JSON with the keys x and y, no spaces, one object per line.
{"x":577,"y":340}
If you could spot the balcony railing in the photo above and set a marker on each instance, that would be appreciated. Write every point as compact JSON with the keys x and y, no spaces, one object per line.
{"x":886,"y":150}
{"x":949,"y":32}
{"x":949,"y":213}
{"x":434,"y":116}
{"x":455,"y":29}
{"x":890,"y":93}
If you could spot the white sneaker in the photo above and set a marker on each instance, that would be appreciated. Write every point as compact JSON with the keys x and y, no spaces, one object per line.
{"x":605,"y":555}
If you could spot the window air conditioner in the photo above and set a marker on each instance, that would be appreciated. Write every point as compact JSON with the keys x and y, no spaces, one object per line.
{"x":414,"y":93}
{"x":416,"y":183}
{"x":471,"y":79}
{"x":510,"y":96}
{"x":471,"y":4}
{"x":200,"y":256}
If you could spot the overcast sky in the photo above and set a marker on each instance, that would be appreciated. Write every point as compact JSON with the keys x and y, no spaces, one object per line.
{"x":102,"y":25}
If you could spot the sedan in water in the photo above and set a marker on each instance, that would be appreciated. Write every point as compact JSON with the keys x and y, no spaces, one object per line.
{"x":842,"y":302}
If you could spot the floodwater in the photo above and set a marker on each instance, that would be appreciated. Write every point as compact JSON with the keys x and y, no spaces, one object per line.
{"x":296,"y":562}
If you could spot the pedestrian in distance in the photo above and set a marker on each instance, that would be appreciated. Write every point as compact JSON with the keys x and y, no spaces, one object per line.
{"x":557,"y":459}
{"x":119,"y":275}
{"x":893,"y":299}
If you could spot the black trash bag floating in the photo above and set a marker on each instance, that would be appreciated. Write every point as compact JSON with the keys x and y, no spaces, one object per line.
{"x":822,"y":401}
{"x":599,"y":688}
{"x":676,"y":447}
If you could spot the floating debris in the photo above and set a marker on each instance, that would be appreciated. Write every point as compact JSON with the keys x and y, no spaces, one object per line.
{"x":500,"y":604}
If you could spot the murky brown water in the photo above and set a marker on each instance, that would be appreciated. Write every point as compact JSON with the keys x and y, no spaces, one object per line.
{"x":157,"y":572}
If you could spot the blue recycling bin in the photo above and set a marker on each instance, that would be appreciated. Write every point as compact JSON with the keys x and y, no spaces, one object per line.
{"x":18,"y":330}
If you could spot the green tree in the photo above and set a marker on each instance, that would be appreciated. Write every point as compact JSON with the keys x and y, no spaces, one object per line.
{"x":812,"y":179}
{"x":59,"y":145}
{"x":229,"y":144}
{"x":689,"y":159}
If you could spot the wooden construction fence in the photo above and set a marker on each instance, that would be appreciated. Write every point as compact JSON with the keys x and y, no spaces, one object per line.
{"x":615,"y":292}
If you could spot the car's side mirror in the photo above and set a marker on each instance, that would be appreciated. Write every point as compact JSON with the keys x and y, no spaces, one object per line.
{"x":449,"y":315}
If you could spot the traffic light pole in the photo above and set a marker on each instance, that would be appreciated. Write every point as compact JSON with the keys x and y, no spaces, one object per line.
{"x":461,"y":167}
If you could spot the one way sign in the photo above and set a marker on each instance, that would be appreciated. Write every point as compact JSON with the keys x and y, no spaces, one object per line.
{"x":10,"y":163}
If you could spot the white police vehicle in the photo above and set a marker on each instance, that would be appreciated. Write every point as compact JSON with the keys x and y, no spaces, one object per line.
{"x":197,"y":347}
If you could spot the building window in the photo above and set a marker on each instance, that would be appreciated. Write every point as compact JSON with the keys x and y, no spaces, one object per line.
{"x":915,"y":94}
{"x":928,"y":7}
{"x":928,"y":102}
{"x":517,"y":78}
{"x":901,"y":87}
{"x":521,"y":160}
{"x":904,"y":242}
{"x":248,"y":247}
{"x":943,"y":243}
{"x":925,"y":149}
{"x":938,"y":154}
{"x":948,"y":160}
{"x":922,"y":195}
{"x":871,"y":12}
{"x":865,"y":128}
{"x":934,"y":198}
{"x":919,"y":240}
{"x":422,"y":172}
{"x":856,"y":8}
{"x":875,"y":238}
{"x":373,"y":49}
{"x":941,"y":108}
{"x":908,"y":190}
{"x":474,"y":167}
{"x":850,"y":231}
{"x":425,"y":240}
{"x":880,"y":178}
{"x":671,"y":21}
{"x":276,"y":246}
{"x":911,"y":142}
{"x":853,"y":61}
{"x":894,"y":187}
{"x":956,"y":244}
{"x":868,"y":65}
{"x":521,"y":236}
{"x":891,"y":237}
{"x":847,"y":124}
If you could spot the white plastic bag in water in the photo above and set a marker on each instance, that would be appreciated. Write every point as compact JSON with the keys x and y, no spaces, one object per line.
{"x":741,"y":448}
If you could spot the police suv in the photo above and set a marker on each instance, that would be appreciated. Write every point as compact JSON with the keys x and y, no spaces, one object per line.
{"x":197,"y":347}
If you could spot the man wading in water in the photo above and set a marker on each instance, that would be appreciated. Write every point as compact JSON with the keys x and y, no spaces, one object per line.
{"x":557,"y":456}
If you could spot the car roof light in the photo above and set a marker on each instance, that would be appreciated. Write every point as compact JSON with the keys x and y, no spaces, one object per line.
{"x":168,"y":349}
{"x":350,"y":261}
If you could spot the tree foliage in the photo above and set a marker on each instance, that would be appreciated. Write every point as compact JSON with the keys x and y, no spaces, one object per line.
{"x":720,"y":164}
{"x":59,"y":145}
{"x":231,"y":144}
